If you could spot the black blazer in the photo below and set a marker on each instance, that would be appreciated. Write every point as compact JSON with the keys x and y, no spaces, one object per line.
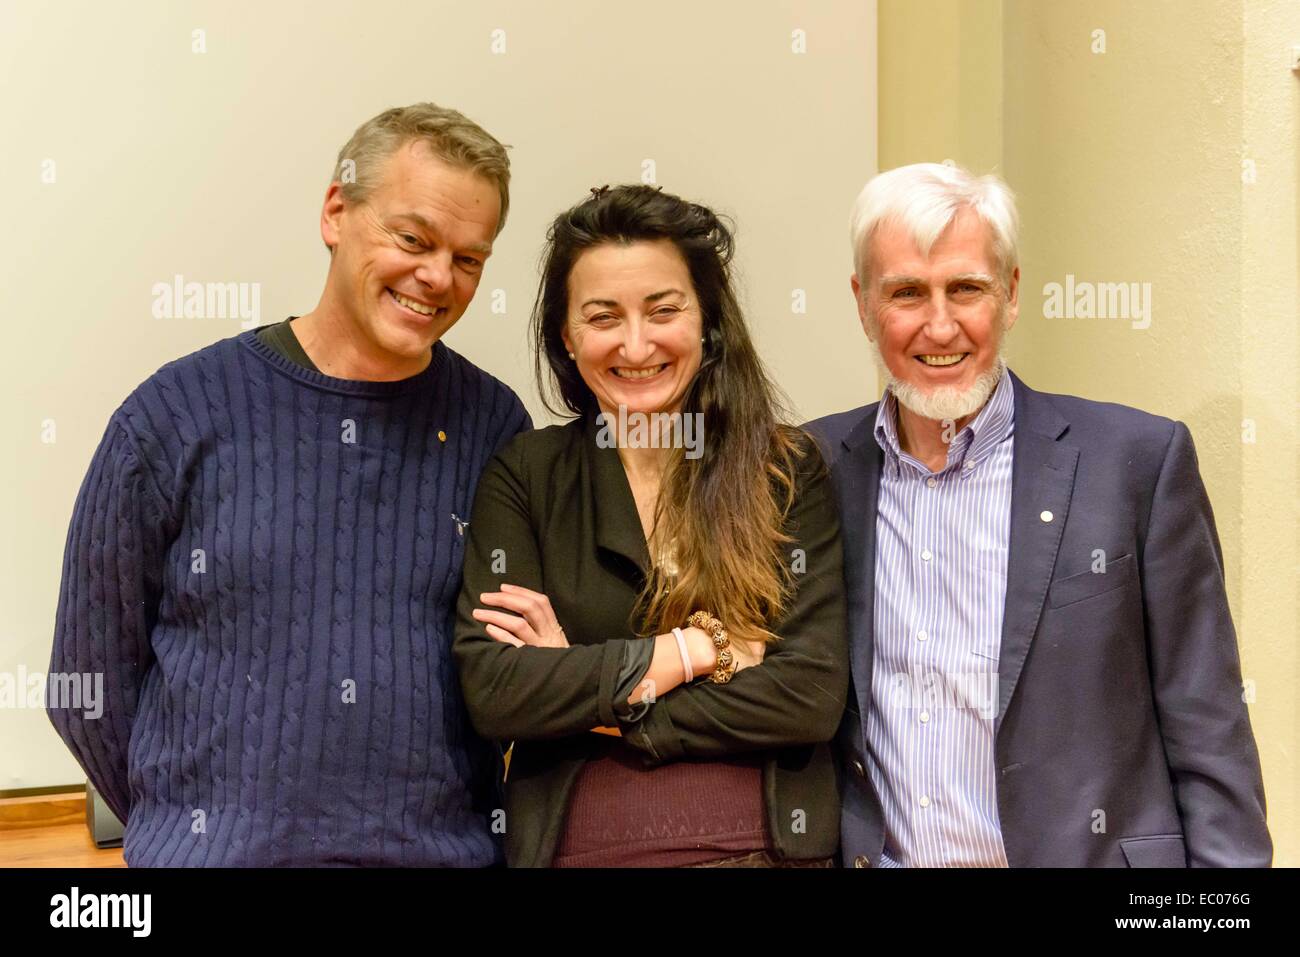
{"x":554,"y":513}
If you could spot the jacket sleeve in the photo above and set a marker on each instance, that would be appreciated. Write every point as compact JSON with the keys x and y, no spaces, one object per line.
{"x":108,"y":602}
{"x":796,"y":695}
{"x":1196,"y":674}
{"x":526,"y":693}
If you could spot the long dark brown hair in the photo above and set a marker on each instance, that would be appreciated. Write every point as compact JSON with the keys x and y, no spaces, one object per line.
{"x":724,"y":512}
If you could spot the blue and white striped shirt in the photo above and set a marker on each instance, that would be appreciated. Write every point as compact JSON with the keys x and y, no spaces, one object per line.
{"x":941,"y":576}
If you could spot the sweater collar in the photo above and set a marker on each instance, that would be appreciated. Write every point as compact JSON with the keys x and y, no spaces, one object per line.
{"x":421,"y":381}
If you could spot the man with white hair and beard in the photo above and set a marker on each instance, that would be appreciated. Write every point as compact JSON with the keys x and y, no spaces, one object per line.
{"x":1044,"y":668}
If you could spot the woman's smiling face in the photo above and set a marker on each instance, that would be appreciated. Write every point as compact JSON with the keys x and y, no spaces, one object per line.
{"x":634,"y":325}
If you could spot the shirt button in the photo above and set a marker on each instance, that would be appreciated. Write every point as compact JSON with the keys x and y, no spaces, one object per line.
{"x":861,"y":861}
{"x":926,"y":556}
{"x":925,"y":800}
{"x":925,"y":716}
{"x":922,"y":635}
{"x":931,"y":482}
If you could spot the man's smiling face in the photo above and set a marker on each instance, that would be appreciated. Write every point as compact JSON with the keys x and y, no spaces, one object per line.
{"x":408,"y":259}
{"x":937,"y":320}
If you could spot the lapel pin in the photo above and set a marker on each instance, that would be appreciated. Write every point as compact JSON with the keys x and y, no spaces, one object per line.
{"x":1045,"y":515}
{"x":460,"y":525}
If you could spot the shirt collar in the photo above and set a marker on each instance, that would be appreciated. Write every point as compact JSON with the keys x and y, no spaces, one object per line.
{"x":990,"y":426}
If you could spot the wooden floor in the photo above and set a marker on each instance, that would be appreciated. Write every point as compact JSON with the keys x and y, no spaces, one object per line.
{"x":50,"y":831}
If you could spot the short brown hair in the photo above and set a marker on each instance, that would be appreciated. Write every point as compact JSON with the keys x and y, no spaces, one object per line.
{"x":451,"y":136}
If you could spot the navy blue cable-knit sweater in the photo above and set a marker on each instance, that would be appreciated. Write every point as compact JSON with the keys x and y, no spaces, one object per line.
{"x":263,"y":564}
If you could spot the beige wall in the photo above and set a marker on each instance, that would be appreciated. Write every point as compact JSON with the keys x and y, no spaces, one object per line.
{"x":213,"y":166}
{"x":1170,"y":159}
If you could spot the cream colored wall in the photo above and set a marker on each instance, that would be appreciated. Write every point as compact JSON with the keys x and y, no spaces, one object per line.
{"x":942,"y":60}
{"x":1266,"y":323}
{"x":213,"y":165}
{"x":1170,"y":159}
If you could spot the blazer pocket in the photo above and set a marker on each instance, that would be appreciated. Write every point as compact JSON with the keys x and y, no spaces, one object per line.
{"x":1090,"y":584}
{"x":1161,"y":850}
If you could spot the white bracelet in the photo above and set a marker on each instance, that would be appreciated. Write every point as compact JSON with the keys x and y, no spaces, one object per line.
{"x":688,"y":672}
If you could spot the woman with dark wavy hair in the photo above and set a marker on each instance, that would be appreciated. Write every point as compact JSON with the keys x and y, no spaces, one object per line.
{"x":653,"y":610}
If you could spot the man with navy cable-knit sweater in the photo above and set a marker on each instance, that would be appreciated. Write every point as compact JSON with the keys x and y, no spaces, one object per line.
{"x":264,"y":557}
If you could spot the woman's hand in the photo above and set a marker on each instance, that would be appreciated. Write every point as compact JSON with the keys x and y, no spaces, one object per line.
{"x":533,"y":623}
{"x":747,"y":653}
{"x":704,"y":657}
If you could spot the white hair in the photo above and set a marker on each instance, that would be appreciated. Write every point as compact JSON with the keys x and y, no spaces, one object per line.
{"x":924,"y":198}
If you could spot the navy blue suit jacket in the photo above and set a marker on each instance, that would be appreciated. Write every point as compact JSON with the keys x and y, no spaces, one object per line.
{"x":1118,"y":692}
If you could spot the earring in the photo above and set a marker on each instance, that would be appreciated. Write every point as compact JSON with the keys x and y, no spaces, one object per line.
{"x":570,"y":355}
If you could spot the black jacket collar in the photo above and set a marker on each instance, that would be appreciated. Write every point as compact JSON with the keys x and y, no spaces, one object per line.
{"x":618,"y":526}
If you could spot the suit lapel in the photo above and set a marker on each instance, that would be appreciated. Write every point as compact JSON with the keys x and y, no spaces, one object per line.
{"x":1042,"y":482}
{"x":859,"y":468}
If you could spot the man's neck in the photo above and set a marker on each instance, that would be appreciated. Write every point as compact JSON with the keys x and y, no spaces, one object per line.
{"x":928,"y":440}
{"x":339,"y":349}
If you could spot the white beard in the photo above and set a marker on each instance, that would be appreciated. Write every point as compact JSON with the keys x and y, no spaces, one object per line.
{"x":945,"y":402}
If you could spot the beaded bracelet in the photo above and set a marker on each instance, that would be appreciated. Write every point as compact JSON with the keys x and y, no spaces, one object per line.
{"x":726,"y":664}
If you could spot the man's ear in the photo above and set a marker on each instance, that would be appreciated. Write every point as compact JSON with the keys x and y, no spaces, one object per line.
{"x":331,"y":216}
{"x":1013,"y":300}
{"x":863,"y":314}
